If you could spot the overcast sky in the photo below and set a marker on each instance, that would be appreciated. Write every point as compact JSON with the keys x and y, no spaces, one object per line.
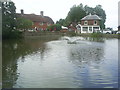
{"x":57,"y":9}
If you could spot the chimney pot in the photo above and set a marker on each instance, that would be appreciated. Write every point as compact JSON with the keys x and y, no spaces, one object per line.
{"x":41,"y":13}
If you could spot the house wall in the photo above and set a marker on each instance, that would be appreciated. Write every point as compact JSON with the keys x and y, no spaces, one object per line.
{"x":40,"y":26}
{"x":89,"y":28}
{"x":90,"y":22}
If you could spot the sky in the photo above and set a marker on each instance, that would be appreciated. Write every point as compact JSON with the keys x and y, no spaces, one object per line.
{"x":119,"y":13}
{"x":57,"y":9}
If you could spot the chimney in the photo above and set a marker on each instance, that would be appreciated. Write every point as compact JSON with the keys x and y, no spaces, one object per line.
{"x":41,"y":13}
{"x":22,"y":11}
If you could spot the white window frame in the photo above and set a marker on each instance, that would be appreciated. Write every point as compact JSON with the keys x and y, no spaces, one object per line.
{"x":85,"y":22}
{"x":95,"y":23}
{"x":90,"y":29}
{"x":85,"y":29}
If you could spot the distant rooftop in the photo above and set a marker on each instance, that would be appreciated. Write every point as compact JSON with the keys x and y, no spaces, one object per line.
{"x":36,"y":18}
{"x":91,"y":17}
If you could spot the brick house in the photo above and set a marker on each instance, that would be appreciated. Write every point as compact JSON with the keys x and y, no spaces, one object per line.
{"x":40,"y":22}
{"x":89,"y":24}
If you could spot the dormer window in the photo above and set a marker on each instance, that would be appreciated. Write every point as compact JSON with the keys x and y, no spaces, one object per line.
{"x":95,"y":22}
{"x":85,"y":22}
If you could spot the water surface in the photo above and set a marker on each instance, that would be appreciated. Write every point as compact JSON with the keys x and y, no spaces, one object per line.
{"x":53,"y":63}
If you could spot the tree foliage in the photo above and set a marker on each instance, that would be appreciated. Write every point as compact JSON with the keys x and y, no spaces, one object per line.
{"x":61,"y":22}
{"x":76,"y":13}
{"x":54,"y":27}
{"x":9,"y":20}
{"x":98,"y":11}
{"x":23,"y":23}
{"x":101,"y":13}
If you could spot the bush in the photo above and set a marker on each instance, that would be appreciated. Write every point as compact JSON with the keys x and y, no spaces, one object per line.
{"x":12,"y":35}
{"x":54,"y":27}
{"x":96,"y":35}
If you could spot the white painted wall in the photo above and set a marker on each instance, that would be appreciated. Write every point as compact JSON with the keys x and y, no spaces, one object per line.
{"x":88,"y":29}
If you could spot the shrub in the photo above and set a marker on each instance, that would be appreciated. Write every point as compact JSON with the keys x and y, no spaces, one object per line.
{"x":96,"y":35}
{"x":54,"y":27}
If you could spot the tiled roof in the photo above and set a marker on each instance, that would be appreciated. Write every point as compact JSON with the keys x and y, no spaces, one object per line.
{"x":36,"y":18}
{"x":91,"y":17}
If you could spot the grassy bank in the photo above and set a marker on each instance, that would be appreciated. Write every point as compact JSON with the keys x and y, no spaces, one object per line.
{"x":100,"y":35}
{"x":44,"y":33}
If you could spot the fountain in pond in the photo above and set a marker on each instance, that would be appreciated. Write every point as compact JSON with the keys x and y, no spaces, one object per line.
{"x":71,"y":40}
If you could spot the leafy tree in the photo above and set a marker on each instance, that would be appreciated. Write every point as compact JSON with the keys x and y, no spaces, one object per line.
{"x":23,"y":23}
{"x":61,"y":22}
{"x":89,"y":10}
{"x":76,"y":13}
{"x":101,"y":13}
{"x":9,"y":20}
{"x":98,"y":11}
{"x":54,"y":27}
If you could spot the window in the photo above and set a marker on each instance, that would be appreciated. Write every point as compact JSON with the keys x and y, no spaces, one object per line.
{"x":95,"y":29}
{"x":85,"y":22}
{"x":90,"y":28}
{"x":85,"y":28}
{"x":95,"y":22}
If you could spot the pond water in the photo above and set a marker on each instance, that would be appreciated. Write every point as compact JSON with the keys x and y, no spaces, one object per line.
{"x":51,"y":62}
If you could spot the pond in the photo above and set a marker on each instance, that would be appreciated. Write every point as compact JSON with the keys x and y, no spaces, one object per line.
{"x":52,"y":62}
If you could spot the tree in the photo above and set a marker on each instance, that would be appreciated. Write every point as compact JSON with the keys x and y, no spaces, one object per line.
{"x":9,"y":20}
{"x":54,"y":27}
{"x":23,"y":23}
{"x":98,"y":11}
{"x":76,"y":13}
{"x":89,"y":10}
{"x":101,"y":13}
{"x":61,"y":22}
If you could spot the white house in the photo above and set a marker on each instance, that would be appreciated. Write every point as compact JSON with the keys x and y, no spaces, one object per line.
{"x":89,"y":24}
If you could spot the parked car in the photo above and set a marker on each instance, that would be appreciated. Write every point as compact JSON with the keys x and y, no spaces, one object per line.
{"x":114,"y":32}
{"x":107,"y":31}
{"x":118,"y":32}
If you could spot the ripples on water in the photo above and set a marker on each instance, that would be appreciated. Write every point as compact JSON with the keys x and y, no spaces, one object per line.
{"x":56,"y":64}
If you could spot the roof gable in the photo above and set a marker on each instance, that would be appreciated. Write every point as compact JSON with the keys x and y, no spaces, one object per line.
{"x":91,"y":17}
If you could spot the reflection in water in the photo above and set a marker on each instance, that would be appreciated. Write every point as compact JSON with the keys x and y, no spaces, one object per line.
{"x":99,"y":39}
{"x":15,"y":49}
{"x":86,"y":55}
{"x":51,"y":63}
